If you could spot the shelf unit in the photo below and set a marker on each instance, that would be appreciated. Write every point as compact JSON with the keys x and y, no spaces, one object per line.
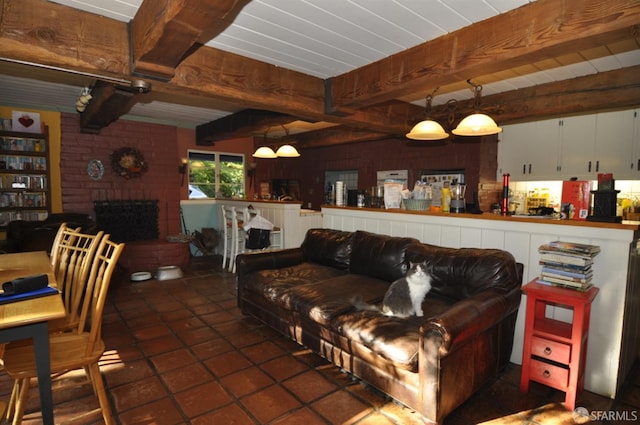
{"x":554,"y":352}
{"x":24,"y":176}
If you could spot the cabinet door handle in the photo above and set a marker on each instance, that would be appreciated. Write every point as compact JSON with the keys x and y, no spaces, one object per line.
{"x":524,"y":168}
{"x":529,"y":168}
{"x":589,"y":169}
{"x":638,"y":167}
{"x":547,"y":351}
{"x":546,"y":374}
{"x":597,"y":166}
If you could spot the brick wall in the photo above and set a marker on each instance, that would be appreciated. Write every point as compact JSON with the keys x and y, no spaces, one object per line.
{"x":477,"y":156}
{"x":158,"y":144}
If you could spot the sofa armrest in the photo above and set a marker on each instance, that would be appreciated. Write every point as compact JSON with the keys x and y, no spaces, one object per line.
{"x":250,"y":262}
{"x":469,"y":317}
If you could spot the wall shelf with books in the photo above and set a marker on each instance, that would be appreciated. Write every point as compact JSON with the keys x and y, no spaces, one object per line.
{"x":24,"y":176}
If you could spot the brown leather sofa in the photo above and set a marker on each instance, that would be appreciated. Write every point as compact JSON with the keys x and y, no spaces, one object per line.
{"x":431,"y":364}
{"x":24,"y":235}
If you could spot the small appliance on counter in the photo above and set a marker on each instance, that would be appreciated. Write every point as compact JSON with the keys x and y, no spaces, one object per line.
{"x":458,"y":202}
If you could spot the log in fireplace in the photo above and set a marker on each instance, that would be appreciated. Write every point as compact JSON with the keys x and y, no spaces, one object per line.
{"x":128,"y":220}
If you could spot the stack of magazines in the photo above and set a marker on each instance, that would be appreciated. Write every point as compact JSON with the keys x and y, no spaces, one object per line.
{"x":567,"y":264}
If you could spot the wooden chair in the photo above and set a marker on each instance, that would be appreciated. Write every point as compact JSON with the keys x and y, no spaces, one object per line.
{"x":74,"y":254}
{"x":71,"y":350}
{"x":227,"y":235}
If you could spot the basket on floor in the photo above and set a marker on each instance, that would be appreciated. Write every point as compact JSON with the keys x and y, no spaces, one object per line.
{"x":417,"y":204}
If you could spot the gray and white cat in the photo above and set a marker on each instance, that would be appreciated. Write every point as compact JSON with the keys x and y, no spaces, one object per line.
{"x":405,"y":295}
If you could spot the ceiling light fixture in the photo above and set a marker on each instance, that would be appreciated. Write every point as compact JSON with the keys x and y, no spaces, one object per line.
{"x":284,"y":151}
{"x":476,"y":124}
{"x":427,"y":129}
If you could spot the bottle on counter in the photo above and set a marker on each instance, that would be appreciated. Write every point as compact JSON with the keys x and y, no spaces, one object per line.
{"x":446,"y":198}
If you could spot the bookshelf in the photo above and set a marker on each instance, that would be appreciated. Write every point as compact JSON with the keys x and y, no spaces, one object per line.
{"x":24,"y":176}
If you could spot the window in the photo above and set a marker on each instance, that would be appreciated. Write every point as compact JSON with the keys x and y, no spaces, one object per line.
{"x":215,"y":174}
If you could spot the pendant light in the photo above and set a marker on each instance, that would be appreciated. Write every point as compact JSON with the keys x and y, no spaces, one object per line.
{"x":284,"y":151}
{"x":427,"y":129}
{"x":476,"y":124}
{"x":287,"y":151}
{"x":264,"y":152}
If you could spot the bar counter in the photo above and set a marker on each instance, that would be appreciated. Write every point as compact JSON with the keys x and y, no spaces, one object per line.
{"x":613,"y":336}
{"x":625,"y":225}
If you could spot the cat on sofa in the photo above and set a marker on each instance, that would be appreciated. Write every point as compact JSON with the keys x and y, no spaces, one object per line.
{"x":405,"y":295}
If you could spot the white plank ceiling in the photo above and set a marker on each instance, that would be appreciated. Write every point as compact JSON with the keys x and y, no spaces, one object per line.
{"x":322,"y":38}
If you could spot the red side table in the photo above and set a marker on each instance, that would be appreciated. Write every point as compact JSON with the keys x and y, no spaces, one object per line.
{"x":554,"y":351}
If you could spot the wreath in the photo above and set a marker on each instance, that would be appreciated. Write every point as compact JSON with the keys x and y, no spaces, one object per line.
{"x":128,"y":163}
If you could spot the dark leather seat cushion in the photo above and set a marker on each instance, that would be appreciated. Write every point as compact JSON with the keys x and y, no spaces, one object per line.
{"x":323,"y":301}
{"x":395,"y":339}
{"x":273,"y":283}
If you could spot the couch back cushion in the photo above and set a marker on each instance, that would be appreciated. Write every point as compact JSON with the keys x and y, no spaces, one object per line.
{"x":379,"y":256}
{"x":459,"y":273}
{"x":328,"y":247}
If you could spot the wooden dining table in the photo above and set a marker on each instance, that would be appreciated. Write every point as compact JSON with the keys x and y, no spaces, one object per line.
{"x":29,"y":318}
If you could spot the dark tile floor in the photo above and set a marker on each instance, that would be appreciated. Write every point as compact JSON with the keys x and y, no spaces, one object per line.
{"x":180,"y":352}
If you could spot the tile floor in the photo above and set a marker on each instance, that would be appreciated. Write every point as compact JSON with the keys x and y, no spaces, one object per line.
{"x":180,"y":352}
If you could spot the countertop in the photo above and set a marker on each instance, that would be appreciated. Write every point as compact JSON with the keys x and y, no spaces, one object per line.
{"x":626,"y":224}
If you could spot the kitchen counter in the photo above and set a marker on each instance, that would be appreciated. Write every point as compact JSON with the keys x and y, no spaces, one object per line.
{"x":613,"y":335}
{"x":626,"y":224}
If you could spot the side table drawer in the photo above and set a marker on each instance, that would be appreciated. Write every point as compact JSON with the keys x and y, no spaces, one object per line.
{"x":548,"y":374}
{"x":556,"y":351}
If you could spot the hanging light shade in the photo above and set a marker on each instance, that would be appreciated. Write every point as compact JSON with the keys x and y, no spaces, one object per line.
{"x":477,"y":125}
{"x":264,"y":152}
{"x":427,"y":130}
{"x":287,"y":151}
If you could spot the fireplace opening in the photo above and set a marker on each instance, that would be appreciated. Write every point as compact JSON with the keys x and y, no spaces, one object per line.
{"x":128,"y":220}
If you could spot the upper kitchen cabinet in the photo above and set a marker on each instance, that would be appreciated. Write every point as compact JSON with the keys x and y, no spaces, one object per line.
{"x":615,"y":144}
{"x":577,"y":147}
{"x":580,"y":146}
{"x":530,"y":151}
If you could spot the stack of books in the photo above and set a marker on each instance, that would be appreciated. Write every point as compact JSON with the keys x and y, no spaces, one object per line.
{"x":567,"y":264}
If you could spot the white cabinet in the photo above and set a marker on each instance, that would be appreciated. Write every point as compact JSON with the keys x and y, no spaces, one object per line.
{"x":580,"y":146}
{"x":529,"y":151}
{"x":614,"y":144}
{"x":577,"y":151}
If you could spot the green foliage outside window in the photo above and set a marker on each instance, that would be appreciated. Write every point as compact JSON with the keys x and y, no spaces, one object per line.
{"x":202,"y":174}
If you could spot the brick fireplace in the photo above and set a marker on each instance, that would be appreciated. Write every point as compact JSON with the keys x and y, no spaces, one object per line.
{"x":160,"y":186}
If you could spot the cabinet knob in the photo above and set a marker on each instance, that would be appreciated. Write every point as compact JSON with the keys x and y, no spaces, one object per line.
{"x":547,"y":351}
{"x":546,"y":374}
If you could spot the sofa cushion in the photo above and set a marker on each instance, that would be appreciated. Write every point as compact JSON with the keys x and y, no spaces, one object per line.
{"x":328,"y":247}
{"x":322,"y":301}
{"x":379,"y":256}
{"x":394,"y":338}
{"x":273,"y":283}
{"x":460,"y":273}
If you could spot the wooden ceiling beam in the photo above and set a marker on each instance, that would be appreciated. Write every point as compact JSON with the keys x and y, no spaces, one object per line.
{"x":109,"y":102}
{"x":164,"y":31}
{"x":537,"y":31}
{"x":240,"y":124}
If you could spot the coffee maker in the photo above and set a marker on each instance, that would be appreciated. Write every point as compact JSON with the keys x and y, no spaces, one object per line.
{"x":457,"y":197}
